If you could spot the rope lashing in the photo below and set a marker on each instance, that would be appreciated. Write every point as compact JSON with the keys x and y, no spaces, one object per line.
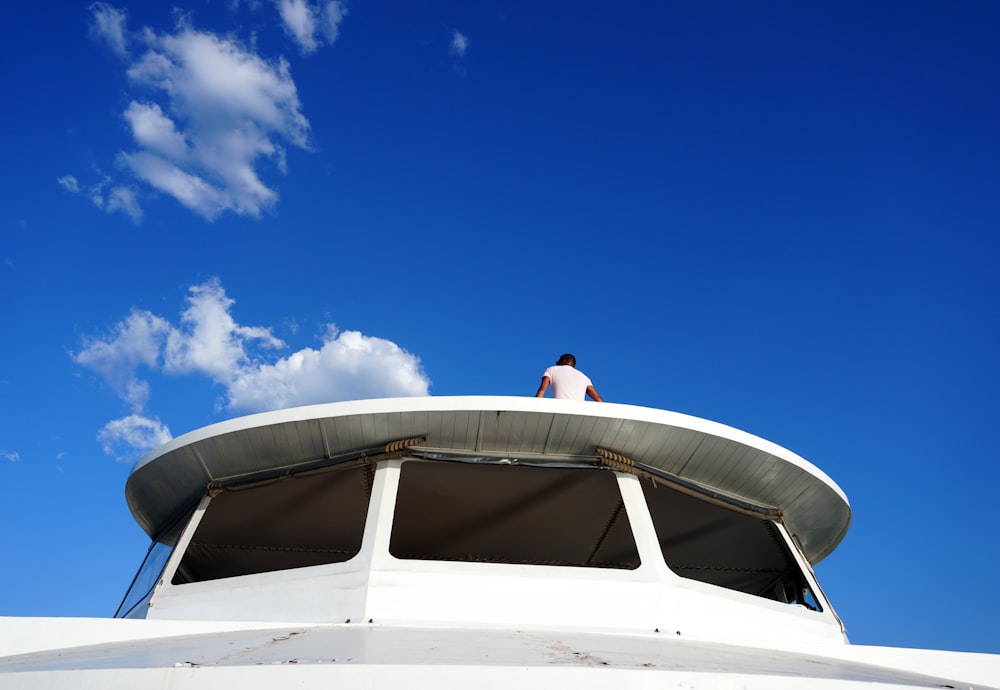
{"x":403,"y":444}
{"x":616,"y":461}
{"x":366,"y":457}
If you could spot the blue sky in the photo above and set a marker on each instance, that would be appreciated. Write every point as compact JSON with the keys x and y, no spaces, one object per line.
{"x":781,"y":218}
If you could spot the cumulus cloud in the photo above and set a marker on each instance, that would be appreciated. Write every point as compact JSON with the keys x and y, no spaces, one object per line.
{"x":246,"y":361}
{"x":210,"y":341}
{"x":154,"y":130}
{"x":351,"y":365}
{"x":127,"y":437}
{"x":211,"y":116}
{"x":225,"y":110}
{"x":311,"y":24}
{"x":10,"y":455}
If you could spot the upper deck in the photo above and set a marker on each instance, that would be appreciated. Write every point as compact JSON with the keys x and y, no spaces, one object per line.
{"x":444,"y":541}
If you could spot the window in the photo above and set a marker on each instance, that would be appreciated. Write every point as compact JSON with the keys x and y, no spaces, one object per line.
{"x":139,"y":593}
{"x":494,"y":513}
{"x":713,"y":544}
{"x":291,"y":522}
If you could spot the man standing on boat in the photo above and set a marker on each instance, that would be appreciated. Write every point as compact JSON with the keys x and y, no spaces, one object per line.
{"x":568,"y":383}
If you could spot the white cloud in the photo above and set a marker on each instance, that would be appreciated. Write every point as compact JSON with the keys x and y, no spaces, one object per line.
{"x":192,"y":191}
{"x":231,"y":107}
{"x":136,"y":341}
{"x":244,"y":361}
{"x":10,"y":455}
{"x":96,"y":191}
{"x":348,"y":366}
{"x":124,"y":439}
{"x":303,"y":21}
{"x":213,"y":115}
{"x":123,"y":199}
{"x":69,"y":183}
{"x":217,"y":85}
{"x":459,"y":43}
{"x":108,"y":26}
{"x":333,"y":15}
{"x":154,"y":130}
{"x":119,"y":198}
{"x":299,"y":22}
{"x":211,"y":342}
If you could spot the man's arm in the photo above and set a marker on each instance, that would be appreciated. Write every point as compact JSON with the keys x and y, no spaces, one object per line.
{"x":540,"y":393}
{"x":592,"y":392}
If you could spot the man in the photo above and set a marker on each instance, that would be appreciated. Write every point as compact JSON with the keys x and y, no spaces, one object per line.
{"x":567,"y":382}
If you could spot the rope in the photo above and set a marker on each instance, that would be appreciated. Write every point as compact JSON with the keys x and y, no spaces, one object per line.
{"x":617,"y":458}
{"x":396,"y":446}
{"x":474,"y":558}
{"x":723,"y":569}
{"x":282,"y":549}
{"x":607,"y":528}
{"x":362,"y":458}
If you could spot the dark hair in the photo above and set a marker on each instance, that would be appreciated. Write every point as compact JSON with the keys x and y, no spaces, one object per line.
{"x":567,"y":359}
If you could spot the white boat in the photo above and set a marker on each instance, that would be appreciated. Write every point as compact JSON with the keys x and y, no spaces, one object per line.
{"x":479,"y":542}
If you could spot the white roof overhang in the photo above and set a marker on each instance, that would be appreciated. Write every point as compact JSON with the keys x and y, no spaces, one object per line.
{"x":167,"y":482}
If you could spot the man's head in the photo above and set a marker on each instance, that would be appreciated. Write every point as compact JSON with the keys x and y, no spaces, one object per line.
{"x":568,"y":360}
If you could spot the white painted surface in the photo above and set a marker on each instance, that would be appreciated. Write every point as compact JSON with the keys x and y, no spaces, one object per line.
{"x":376,"y":586}
{"x":373,"y":656}
{"x":433,"y":624}
{"x":174,"y":476}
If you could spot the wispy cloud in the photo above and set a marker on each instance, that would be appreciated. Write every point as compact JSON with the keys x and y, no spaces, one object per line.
{"x":123,"y":199}
{"x":10,"y":455}
{"x":108,"y":27}
{"x":311,"y":25}
{"x":106,"y":196}
{"x":135,"y":342}
{"x":459,"y":44}
{"x":333,"y":15}
{"x":209,"y":117}
{"x":69,"y":183}
{"x":244,"y":360}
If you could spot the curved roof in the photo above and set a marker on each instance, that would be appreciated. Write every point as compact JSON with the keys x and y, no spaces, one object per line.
{"x":168,"y":481}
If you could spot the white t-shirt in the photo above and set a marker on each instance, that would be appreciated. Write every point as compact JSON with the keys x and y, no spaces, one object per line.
{"x":568,"y":383}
